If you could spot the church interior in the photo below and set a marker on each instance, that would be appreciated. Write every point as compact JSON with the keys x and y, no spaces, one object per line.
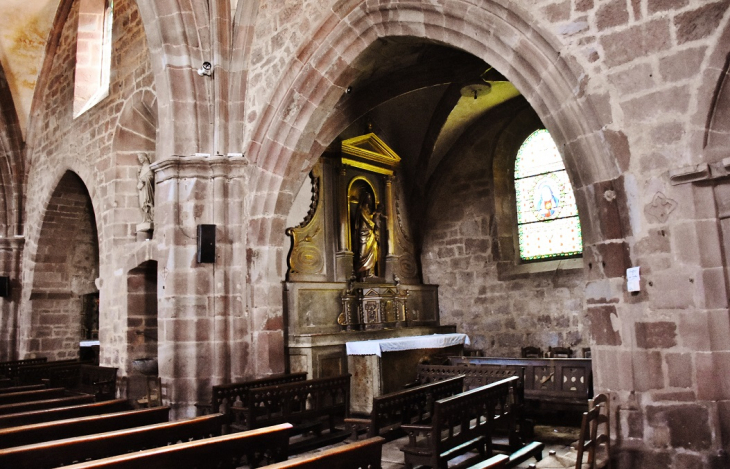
{"x":342,"y":202}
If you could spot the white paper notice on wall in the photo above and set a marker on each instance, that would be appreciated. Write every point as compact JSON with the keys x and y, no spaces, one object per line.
{"x":632,"y":279}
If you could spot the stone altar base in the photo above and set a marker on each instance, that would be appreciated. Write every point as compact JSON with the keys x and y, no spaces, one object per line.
{"x":374,"y":376}
{"x":323,"y":355}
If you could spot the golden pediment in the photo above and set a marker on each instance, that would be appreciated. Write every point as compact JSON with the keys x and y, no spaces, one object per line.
{"x":369,"y":152}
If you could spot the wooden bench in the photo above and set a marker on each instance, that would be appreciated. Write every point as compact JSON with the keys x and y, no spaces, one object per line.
{"x":362,"y":454}
{"x":462,"y":423}
{"x":221,"y":452}
{"x":224,"y":396}
{"x":32,"y":395}
{"x":409,"y":406}
{"x":67,"y":428}
{"x":31,"y":387}
{"x":46,"y":404}
{"x":9,"y":369}
{"x":477,"y":376}
{"x":101,"y":381}
{"x":551,"y":384}
{"x":67,"y":451}
{"x":304,"y":404}
{"x":474,"y":376}
{"x":59,"y":413}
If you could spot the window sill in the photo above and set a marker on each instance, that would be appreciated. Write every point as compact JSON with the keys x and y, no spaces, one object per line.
{"x":507,"y":270}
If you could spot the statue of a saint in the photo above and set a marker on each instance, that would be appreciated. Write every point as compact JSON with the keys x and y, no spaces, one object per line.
{"x":368,"y":236}
{"x":146,"y":188}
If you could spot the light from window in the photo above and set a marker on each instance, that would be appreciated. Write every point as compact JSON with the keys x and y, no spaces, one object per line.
{"x":93,"y":53}
{"x":547,"y":216}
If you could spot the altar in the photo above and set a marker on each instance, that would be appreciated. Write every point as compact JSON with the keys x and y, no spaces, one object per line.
{"x":386,"y":365}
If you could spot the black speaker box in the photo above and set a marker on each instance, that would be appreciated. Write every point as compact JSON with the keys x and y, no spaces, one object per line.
{"x":4,"y":286}
{"x":206,"y":243}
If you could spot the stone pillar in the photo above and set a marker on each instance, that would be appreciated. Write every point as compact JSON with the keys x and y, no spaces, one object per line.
{"x":11,"y":250}
{"x":196,"y":301}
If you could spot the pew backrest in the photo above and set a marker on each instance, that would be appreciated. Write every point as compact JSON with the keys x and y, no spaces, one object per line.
{"x":67,"y":451}
{"x":561,"y":383}
{"x":31,"y":395}
{"x":226,"y":395}
{"x":472,"y":414}
{"x":299,"y":402}
{"x":9,"y":369}
{"x":474,"y":376}
{"x":47,"y":431}
{"x":412,"y":405}
{"x":30,"y":387}
{"x":60,"y":413}
{"x":221,"y":451}
{"x":46,"y":404}
{"x":362,"y":454}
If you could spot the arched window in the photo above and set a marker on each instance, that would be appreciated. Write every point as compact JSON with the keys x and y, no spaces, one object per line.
{"x":547,"y":216}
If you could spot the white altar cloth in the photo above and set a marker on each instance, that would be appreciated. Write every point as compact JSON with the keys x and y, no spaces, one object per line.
{"x":377,"y":347}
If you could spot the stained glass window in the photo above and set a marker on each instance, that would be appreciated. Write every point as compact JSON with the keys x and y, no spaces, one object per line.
{"x":547,"y":216}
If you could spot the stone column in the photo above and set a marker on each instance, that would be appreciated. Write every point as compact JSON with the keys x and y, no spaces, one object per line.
{"x":196,"y":301}
{"x":11,"y":250}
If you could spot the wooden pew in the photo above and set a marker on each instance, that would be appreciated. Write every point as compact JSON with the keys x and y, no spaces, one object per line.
{"x":225,"y":451}
{"x":474,"y":376}
{"x":551,"y":384}
{"x":495,"y":462}
{"x":47,"y":431}
{"x":362,"y":454}
{"x":409,"y":406}
{"x":31,"y":387}
{"x":9,"y":369}
{"x":46,"y":404}
{"x":32,"y":395}
{"x":101,"y":381}
{"x":33,"y":373}
{"x":463,"y":423}
{"x":67,"y":451}
{"x":59,"y":413}
{"x":304,"y":404}
{"x":223,"y":396}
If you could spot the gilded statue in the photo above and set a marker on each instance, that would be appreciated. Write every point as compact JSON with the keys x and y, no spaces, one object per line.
{"x":368,"y":237}
{"x":146,"y":188}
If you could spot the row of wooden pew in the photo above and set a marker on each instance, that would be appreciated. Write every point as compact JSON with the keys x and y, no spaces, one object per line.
{"x":110,"y":434}
{"x":498,"y":405}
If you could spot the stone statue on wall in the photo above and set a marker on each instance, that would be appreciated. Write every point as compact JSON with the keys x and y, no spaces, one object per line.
{"x":146,"y":188}
{"x":368,"y":237}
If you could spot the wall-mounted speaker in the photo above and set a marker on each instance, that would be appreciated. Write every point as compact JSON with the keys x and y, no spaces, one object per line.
{"x":206,"y":243}
{"x":4,"y":286}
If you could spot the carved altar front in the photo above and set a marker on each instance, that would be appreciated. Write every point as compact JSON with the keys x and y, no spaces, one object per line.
{"x":352,"y":271}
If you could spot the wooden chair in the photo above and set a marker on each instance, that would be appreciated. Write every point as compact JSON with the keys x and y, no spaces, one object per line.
{"x":560,"y":352}
{"x":154,"y":393}
{"x":590,"y":438}
{"x":532,"y":352}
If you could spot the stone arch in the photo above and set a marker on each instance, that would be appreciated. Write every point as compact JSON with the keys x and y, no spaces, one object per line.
{"x":311,"y":109}
{"x":62,"y":272}
{"x":174,"y":27}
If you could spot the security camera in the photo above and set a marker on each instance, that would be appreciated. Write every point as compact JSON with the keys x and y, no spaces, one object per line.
{"x":206,"y":69}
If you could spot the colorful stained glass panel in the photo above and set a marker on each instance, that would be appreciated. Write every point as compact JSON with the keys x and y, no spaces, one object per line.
{"x":538,"y":155}
{"x":550,"y":238}
{"x":547,"y":215}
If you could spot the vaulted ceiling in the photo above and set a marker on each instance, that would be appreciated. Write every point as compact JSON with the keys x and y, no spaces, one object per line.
{"x":24,"y":29}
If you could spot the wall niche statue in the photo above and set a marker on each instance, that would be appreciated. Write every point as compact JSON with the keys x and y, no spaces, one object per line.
{"x":146,"y":189}
{"x":367,"y":235}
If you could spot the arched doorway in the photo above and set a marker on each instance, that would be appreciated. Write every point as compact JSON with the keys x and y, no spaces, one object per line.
{"x":66,"y":268}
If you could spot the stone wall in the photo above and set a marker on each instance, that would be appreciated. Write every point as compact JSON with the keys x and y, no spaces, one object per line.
{"x":57,"y":143}
{"x":481,"y":287}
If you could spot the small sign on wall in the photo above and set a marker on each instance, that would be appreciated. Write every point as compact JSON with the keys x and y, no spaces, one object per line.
{"x":632,"y":279}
